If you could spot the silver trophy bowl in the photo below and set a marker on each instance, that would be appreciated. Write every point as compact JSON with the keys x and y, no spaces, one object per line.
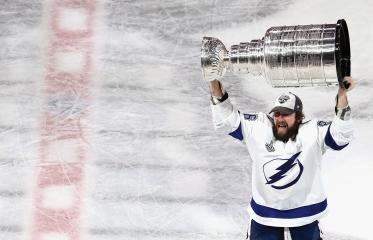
{"x":287,"y":56}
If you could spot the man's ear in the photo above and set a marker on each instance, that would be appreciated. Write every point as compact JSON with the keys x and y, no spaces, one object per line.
{"x":299,"y":119}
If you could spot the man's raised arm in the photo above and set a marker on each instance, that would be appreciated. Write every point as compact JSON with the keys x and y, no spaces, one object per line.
{"x":342,"y":109}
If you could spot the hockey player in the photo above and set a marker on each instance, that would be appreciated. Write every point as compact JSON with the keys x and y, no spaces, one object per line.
{"x":286,"y":154}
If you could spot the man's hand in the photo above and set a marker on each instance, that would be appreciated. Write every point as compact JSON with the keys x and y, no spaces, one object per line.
{"x":342,"y":92}
{"x":215,"y":89}
{"x":348,"y":84}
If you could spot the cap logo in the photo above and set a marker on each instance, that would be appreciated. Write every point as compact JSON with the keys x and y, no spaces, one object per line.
{"x":283,"y":98}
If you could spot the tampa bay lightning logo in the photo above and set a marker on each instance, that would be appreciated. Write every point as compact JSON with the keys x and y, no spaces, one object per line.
{"x":283,"y":173}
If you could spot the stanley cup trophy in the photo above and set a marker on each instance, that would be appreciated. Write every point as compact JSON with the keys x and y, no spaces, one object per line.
{"x":287,"y":56}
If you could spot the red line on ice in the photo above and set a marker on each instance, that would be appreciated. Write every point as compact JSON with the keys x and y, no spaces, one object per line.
{"x":66,"y":97}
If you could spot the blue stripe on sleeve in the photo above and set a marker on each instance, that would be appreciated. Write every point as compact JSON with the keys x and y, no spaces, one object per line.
{"x":300,"y":212}
{"x":237,"y":133}
{"x":329,"y":141}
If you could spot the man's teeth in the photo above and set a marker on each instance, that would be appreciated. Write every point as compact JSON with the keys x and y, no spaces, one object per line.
{"x":282,"y":125}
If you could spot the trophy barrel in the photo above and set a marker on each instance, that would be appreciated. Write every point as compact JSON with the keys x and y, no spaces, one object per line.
{"x":307,"y":55}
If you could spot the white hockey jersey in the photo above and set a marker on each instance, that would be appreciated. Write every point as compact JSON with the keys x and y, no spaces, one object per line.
{"x":287,"y":189}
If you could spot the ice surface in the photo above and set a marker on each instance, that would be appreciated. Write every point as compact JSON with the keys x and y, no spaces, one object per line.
{"x":157,"y":169}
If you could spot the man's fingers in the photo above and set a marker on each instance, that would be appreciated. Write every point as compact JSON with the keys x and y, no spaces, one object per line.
{"x":348,"y":83}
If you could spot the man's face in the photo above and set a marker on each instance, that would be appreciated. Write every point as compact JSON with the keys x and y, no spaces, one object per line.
{"x":285,"y":125}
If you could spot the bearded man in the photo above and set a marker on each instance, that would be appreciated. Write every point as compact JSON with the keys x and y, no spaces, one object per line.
{"x":286,"y":153}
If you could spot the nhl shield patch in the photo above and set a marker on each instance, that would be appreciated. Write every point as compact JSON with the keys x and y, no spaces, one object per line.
{"x":283,"y":98}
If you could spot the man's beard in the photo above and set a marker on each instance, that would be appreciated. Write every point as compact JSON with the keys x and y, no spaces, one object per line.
{"x":291,"y":132}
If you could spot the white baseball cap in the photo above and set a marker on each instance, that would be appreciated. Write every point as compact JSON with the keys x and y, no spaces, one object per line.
{"x":287,"y":103}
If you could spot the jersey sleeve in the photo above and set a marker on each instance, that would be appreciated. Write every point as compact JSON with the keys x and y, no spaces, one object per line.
{"x":335,"y":135}
{"x":229,"y":119}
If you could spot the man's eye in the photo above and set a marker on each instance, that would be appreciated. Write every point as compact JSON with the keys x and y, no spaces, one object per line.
{"x":277,"y":114}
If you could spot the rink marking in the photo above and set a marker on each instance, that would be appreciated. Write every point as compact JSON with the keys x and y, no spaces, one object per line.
{"x":79,"y":16}
{"x":70,"y":62}
{"x":58,"y":197}
{"x":82,"y":11}
{"x":63,"y":146}
{"x":63,"y":151}
{"x":54,"y":236}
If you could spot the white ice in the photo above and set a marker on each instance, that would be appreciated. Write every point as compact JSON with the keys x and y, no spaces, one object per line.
{"x":157,"y":168}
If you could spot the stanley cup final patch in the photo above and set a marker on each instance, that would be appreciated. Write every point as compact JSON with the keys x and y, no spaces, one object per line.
{"x":270,"y":147}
